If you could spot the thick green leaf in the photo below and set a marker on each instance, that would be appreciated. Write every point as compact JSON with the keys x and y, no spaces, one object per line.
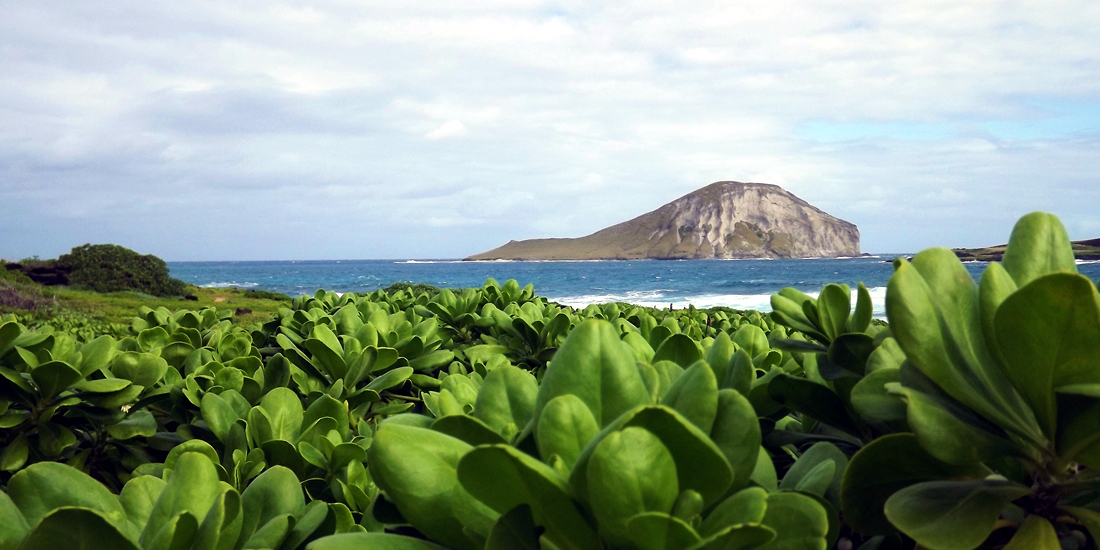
{"x":952,"y":515}
{"x":695,"y":396}
{"x":820,"y":453}
{"x":1049,"y":336}
{"x":736,"y":432}
{"x":177,"y":534}
{"x":630,"y":472}
{"x":272,"y":494}
{"x":96,"y":354}
{"x":861,"y":318}
{"x":102,"y":385}
{"x":221,"y":527}
{"x":752,"y":339}
{"x":883,"y":467}
{"x":140,"y":422}
{"x":701,"y":465}
{"x":1039,"y":246}
{"x":374,"y":541}
{"x":192,"y":488}
{"x":744,"y":506}
{"x":814,"y":400}
{"x":326,"y":406}
{"x":941,"y":334}
{"x":46,"y":486}
{"x":143,"y":369}
{"x":720,"y":355}
{"x":284,"y":409}
{"x":53,"y":439}
{"x":190,"y":446}
{"x":54,"y":377}
{"x":833,"y":306}
{"x":873,"y":402}
{"x":218,"y":415}
{"x":76,"y":529}
{"x":138,"y":497}
{"x":515,"y":530}
{"x":995,"y":285}
{"x":564,"y":429}
{"x":1035,"y":533}
{"x":506,"y":400}
{"x":659,"y":531}
{"x":391,"y":379}
{"x":468,"y":429}
{"x":799,"y":522}
{"x":851,"y":352}
{"x":949,"y":436}
{"x":743,"y":536}
{"x":15,"y":527}
{"x":504,"y":478}
{"x":680,"y":349}
{"x":764,"y":474}
{"x":887,"y":355}
{"x":417,"y":470}
{"x":598,"y":368}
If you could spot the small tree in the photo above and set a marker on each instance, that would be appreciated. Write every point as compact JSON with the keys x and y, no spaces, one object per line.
{"x":110,"y":268}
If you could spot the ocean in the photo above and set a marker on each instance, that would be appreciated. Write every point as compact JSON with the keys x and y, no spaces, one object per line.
{"x":740,"y":284}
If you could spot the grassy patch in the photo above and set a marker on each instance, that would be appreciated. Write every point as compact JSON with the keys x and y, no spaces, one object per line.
{"x":250,"y":308}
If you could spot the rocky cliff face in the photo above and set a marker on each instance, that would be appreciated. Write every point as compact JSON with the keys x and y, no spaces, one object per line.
{"x":726,"y":219}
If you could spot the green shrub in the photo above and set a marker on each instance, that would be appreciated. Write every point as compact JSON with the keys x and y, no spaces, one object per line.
{"x":111,"y":268}
{"x":267,"y":295}
{"x":411,"y":288}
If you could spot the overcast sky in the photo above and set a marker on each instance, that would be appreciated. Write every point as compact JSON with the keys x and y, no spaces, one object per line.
{"x":244,"y":130}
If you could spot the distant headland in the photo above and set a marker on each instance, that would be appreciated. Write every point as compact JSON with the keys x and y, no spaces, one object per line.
{"x":724,"y":220}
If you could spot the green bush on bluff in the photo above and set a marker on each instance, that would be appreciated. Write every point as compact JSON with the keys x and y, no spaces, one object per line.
{"x":111,"y":268}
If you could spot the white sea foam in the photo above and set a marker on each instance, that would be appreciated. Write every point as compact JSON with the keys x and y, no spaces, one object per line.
{"x":1086,"y":262}
{"x":230,"y":285}
{"x":663,"y":298}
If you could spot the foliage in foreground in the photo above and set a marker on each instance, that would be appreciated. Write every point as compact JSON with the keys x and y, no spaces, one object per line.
{"x":490,"y":418}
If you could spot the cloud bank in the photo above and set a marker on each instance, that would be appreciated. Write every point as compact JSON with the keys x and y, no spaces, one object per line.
{"x":423,"y":129}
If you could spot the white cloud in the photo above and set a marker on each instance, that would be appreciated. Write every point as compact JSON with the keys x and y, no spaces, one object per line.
{"x":449,"y":129}
{"x":130,"y":123}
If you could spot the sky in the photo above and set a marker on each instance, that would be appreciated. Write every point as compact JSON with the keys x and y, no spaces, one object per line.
{"x":276,"y":130}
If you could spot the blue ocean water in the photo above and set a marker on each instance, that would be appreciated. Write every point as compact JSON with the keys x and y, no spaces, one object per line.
{"x":741,"y":284}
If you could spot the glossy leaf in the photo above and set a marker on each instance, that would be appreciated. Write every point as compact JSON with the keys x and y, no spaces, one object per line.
{"x":736,"y":432}
{"x":594,"y":365}
{"x":504,"y":478}
{"x":565,"y":428}
{"x":375,"y":541}
{"x":417,"y":469}
{"x":883,"y":467}
{"x":46,"y":486}
{"x":1049,"y":335}
{"x":695,"y":396}
{"x":1039,"y":246}
{"x":952,"y":515}
{"x":799,"y":522}
{"x":506,"y":400}
{"x":1035,"y":533}
{"x":631,"y":472}
{"x":76,"y":529}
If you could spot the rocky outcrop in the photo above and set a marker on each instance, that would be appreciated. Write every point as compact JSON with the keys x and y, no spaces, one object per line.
{"x":726,"y":219}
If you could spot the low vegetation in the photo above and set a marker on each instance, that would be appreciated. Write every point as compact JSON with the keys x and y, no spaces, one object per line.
{"x":492,"y":418}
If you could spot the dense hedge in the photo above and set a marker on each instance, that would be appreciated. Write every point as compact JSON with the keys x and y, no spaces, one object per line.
{"x":111,"y":268}
{"x":494,"y":419}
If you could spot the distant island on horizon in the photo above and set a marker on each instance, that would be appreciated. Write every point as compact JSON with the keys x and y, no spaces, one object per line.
{"x":724,"y":220}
